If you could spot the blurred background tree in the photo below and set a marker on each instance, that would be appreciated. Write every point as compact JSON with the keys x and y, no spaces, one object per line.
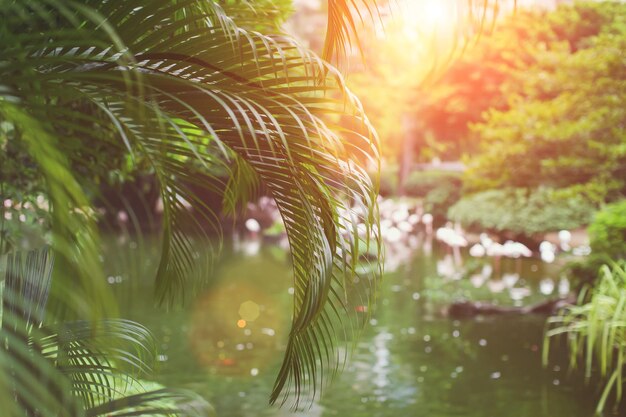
{"x":534,"y":100}
{"x":562,"y":125}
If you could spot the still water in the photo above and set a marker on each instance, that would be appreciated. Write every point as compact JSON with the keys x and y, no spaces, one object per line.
{"x":412,"y":360}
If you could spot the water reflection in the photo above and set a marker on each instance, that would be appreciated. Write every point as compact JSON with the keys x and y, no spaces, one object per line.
{"x":412,"y":360}
{"x":234,"y":323}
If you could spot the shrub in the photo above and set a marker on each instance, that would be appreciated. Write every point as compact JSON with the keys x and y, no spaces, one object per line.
{"x":521,"y":211}
{"x":421,"y":183}
{"x":608,"y":231}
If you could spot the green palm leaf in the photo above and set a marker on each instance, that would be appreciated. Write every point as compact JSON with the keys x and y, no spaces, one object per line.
{"x":30,"y":384}
{"x":105,"y":362}
{"x":75,"y":368}
{"x":161,"y":402}
{"x":201,"y":89}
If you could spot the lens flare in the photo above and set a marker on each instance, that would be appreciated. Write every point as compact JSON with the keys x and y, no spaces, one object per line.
{"x":422,"y":18}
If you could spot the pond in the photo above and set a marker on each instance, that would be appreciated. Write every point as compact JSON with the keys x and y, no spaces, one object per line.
{"x":412,"y":359}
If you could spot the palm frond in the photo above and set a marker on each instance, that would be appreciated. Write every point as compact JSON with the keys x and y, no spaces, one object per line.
{"x":105,"y":362}
{"x":31,"y":385}
{"x":242,"y":186}
{"x":259,"y":15}
{"x":180,"y":86}
{"x":102,"y":359}
{"x":342,"y":32}
{"x":74,"y":233}
{"x":75,"y":368}
{"x":161,"y":402}
{"x":27,"y":283}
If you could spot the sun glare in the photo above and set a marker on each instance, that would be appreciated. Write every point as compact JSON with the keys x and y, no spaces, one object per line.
{"x":427,"y":17}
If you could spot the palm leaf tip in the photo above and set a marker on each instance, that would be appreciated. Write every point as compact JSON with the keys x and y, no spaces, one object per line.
{"x":344,"y":18}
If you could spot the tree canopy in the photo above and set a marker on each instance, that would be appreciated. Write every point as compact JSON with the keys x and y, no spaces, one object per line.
{"x":563,"y":124}
{"x":532,"y":47}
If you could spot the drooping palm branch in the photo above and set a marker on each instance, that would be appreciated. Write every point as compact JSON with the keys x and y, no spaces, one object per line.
{"x":174,"y":83}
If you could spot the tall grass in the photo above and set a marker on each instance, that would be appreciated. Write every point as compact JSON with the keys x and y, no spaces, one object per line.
{"x":595,"y":329}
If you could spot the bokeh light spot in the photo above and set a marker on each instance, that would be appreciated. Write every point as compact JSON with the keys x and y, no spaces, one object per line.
{"x":249,"y":311}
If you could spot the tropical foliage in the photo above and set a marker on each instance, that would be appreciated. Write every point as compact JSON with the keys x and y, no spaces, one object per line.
{"x":93,"y":92}
{"x":519,"y":52}
{"x":74,"y":368}
{"x":520,"y":211}
{"x":176,"y":88}
{"x":595,"y":331}
{"x":562,"y":124}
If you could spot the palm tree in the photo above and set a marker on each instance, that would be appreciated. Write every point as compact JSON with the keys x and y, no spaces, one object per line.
{"x":189,"y":86}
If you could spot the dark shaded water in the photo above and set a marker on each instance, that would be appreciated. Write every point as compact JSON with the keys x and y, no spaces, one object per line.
{"x":411,"y":361}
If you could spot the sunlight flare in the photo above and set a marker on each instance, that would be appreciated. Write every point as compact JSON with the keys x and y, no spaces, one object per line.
{"x":423,"y":18}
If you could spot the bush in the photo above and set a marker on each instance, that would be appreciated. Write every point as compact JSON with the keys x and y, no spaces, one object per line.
{"x":608,"y":231}
{"x":521,"y":211}
{"x":421,"y":183}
